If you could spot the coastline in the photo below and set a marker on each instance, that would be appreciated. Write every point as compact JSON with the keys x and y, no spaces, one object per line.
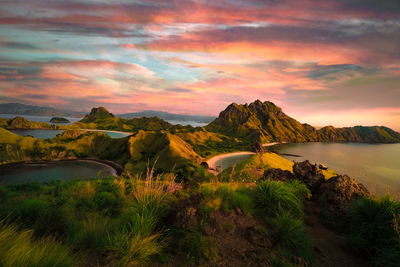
{"x":115,"y":169}
{"x":212,"y":162}
{"x":110,"y":131}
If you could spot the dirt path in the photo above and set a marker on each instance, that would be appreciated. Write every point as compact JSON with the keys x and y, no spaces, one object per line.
{"x":329,"y":248}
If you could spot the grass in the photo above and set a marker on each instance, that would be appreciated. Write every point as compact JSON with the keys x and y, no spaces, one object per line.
{"x":273,"y":198}
{"x":18,"y":248}
{"x":372,"y":227}
{"x":253,"y":168}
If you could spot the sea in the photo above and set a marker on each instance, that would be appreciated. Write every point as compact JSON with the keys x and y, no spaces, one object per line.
{"x":377,"y":166}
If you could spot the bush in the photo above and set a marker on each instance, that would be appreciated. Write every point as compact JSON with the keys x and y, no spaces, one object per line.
{"x":33,"y":213}
{"x":290,"y":235}
{"x":17,"y":248}
{"x":109,"y":203}
{"x":91,"y":233}
{"x":372,"y":227}
{"x":273,"y":198}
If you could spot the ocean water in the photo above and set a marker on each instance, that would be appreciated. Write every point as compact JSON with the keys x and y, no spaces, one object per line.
{"x":39,"y":118}
{"x":41,"y":134}
{"x":45,"y":134}
{"x":192,"y":123}
{"x":377,"y":166}
{"x":63,"y":170}
{"x":228,"y":162}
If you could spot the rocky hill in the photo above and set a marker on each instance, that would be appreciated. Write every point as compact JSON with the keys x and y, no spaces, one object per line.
{"x":266,"y":122}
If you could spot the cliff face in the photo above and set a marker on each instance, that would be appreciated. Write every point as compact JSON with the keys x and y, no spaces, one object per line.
{"x":266,"y":122}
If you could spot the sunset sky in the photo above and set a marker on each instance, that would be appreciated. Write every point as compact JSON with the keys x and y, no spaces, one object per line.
{"x":331,"y":62}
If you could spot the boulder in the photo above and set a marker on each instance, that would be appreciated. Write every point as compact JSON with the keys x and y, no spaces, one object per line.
{"x":257,"y":148}
{"x":339,"y":191}
{"x":205,"y":165}
{"x":310,"y":174}
{"x":278,"y":175}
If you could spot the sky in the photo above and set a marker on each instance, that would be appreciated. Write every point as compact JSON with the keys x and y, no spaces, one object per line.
{"x":333,"y":62}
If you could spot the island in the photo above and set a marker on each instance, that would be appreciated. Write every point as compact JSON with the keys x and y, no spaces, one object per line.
{"x":172,"y":202}
{"x":59,"y":120}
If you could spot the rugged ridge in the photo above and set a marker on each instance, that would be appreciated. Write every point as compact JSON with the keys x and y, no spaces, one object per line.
{"x":266,"y":122}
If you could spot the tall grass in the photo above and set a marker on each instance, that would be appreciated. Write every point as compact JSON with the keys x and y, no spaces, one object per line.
{"x":373,"y":229}
{"x":136,"y":240}
{"x":273,"y":198}
{"x":18,"y":248}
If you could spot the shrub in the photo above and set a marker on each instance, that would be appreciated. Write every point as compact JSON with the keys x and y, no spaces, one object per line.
{"x":91,"y":233}
{"x":32,"y":212}
{"x":273,"y":198}
{"x":17,"y":248}
{"x":372,"y":227}
{"x":109,"y":203}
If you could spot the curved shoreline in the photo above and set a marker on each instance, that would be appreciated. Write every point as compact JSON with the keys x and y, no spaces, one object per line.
{"x":109,"y":131}
{"x":212,"y":162}
{"x":115,"y":169}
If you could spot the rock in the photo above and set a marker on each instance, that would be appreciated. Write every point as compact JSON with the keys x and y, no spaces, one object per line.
{"x":205,"y":165}
{"x":278,"y":175}
{"x":340,"y":190}
{"x":309,"y":174}
{"x":257,"y":148}
{"x":322,"y":167}
{"x":59,"y":120}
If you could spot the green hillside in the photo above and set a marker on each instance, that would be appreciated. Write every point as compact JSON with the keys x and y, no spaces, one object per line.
{"x":266,"y":122}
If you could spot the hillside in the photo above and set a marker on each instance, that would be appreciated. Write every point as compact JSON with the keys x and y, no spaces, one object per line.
{"x":101,"y":118}
{"x":168,"y":116}
{"x":266,"y":122}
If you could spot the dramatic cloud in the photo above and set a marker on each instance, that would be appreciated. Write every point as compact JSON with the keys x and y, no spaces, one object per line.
{"x":325,"y":62}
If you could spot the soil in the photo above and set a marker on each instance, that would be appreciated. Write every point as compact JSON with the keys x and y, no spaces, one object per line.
{"x":238,"y":240}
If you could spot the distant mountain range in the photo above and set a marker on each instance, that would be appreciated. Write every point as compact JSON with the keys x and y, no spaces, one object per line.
{"x":21,"y":109}
{"x":266,"y":122}
{"x":168,"y":116}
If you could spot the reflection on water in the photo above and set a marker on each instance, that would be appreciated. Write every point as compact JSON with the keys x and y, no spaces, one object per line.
{"x":41,"y":134}
{"x":377,"y":166}
{"x":45,"y":172}
{"x":228,"y":162}
{"x":39,"y":118}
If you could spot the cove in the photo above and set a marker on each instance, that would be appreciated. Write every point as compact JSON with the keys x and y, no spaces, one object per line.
{"x":377,"y":166}
{"x":17,"y":173}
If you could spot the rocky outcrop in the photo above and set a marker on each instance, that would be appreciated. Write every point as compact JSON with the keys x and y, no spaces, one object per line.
{"x":310,"y":174}
{"x":257,"y":148}
{"x":99,"y":113}
{"x":278,"y":175}
{"x":205,"y":165}
{"x":339,"y":191}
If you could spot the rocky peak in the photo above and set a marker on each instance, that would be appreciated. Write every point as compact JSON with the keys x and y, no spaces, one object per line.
{"x":100,"y":111}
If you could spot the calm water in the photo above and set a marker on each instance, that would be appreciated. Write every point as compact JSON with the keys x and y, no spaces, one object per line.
{"x":115,"y":135}
{"x":377,"y":166}
{"x":63,"y":170}
{"x":228,"y":162}
{"x":41,"y":134}
{"x":192,"y":123}
{"x":39,"y":118}
{"x":45,"y":134}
